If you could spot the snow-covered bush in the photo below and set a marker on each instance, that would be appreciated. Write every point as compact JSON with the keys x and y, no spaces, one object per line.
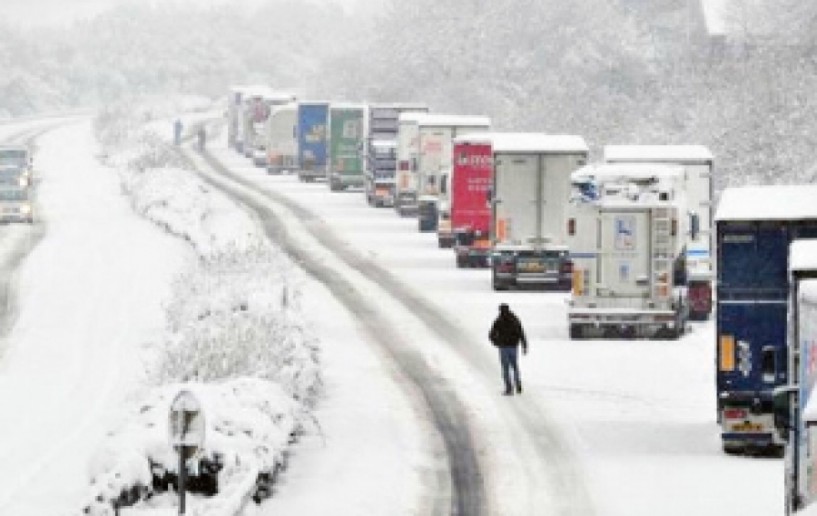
{"x":249,"y":424}
{"x":235,"y":333}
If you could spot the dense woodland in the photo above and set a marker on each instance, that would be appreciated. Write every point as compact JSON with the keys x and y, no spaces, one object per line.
{"x":626,"y":71}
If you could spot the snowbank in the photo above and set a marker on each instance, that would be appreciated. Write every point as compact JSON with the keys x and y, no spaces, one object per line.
{"x":235,"y":336}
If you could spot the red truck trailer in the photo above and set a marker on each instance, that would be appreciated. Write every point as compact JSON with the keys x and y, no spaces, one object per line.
{"x":470,"y":185}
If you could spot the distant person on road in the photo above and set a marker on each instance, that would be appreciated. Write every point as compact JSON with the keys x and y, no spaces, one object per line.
{"x":202,"y":134}
{"x":506,"y":334}
{"x":177,"y":132}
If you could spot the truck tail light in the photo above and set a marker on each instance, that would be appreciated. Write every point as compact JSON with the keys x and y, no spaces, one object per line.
{"x":727,"y":353}
{"x":674,"y":227}
{"x":578,"y":282}
{"x":734,"y":413}
{"x":571,"y":226}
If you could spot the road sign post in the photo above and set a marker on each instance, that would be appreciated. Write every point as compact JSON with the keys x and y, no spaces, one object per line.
{"x":186,"y":431}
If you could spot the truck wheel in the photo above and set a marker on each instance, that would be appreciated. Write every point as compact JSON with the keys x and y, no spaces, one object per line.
{"x":576,"y":331}
{"x":732,"y":448}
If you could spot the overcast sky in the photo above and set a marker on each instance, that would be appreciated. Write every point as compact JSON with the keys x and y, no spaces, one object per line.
{"x":39,"y":13}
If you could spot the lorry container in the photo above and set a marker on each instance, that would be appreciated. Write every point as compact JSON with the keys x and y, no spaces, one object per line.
{"x":754,"y":226}
{"x":435,"y":151}
{"x":282,"y":146}
{"x":313,"y":118}
{"x":469,"y":188}
{"x":405,"y":199}
{"x":626,"y":231}
{"x":381,"y":163}
{"x":380,"y":170}
{"x":235,"y":115}
{"x":799,"y":423}
{"x":257,"y":109}
{"x":347,"y":146}
{"x":530,"y":193}
{"x":699,"y":165}
{"x":248,"y":112}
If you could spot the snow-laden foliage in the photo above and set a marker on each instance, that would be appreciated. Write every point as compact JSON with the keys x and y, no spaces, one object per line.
{"x":235,"y":333}
{"x":249,"y":424}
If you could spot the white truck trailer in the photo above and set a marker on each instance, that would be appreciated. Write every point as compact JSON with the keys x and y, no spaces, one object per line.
{"x":530,"y":193}
{"x":626,"y":232}
{"x":405,"y":187}
{"x":436,"y":135}
{"x":699,"y":165}
{"x":281,"y":135}
{"x":257,"y":107}
{"x":800,"y":411}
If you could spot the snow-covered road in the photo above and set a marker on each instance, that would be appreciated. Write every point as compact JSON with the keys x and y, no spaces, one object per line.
{"x":637,"y":418}
{"x":90,"y":295}
{"x":639,"y":414}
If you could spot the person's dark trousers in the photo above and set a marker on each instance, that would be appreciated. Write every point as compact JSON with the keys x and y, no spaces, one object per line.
{"x":508,"y":359}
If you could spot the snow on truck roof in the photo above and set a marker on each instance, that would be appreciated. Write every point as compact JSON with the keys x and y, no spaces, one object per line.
{"x":803,"y":255}
{"x":657,"y":153}
{"x":606,"y":172}
{"x":527,"y":142}
{"x":437,"y":120}
{"x":769,"y":202}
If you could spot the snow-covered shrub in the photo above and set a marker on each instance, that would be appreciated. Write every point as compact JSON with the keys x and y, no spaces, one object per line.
{"x":234,"y":329}
{"x":236,"y":314}
{"x":249,"y":424}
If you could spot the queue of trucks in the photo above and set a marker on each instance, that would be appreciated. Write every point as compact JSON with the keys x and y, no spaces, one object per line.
{"x":633,"y":238}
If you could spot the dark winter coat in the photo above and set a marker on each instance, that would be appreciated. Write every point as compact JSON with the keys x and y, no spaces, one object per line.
{"x":507,"y":331}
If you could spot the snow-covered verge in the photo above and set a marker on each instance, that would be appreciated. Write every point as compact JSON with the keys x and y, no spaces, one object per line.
{"x":235,"y":336}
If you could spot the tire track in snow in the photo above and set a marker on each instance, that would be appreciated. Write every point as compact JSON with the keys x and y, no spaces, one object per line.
{"x":459,"y":488}
{"x":527,"y":419}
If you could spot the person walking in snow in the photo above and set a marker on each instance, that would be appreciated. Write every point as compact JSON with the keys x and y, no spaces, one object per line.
{"x":506,"y":334}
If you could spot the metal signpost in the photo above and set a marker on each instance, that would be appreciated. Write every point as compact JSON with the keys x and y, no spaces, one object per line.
{"x":186,"y":429}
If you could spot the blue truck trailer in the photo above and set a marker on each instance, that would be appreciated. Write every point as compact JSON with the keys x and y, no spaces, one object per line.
{"x":313,"y":150}
{"x":754,"y":227}
{"x":797,"y":403}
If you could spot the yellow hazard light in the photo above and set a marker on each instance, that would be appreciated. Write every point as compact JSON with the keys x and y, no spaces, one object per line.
{"x":727,"y":359}
{"x":501,"y":229}
{"x":578,"y":282}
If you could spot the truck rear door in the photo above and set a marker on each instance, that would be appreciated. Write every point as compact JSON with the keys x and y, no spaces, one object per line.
{"x":624,"y":257}
{"x":515,"y":184}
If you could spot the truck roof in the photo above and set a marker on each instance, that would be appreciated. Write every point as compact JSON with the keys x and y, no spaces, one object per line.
{"x":769,"y":202}
{"x":520,"y":143}
{"x":347,"y":105}
{"x":437,"y":120}
{"x":658,"y":153}
{"x":803,"y":255}
{"x":609,"y":172}
{"x":384,"y":143}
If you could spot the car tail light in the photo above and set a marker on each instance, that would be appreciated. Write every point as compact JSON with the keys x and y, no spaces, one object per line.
{"x":566,"y":267}
{"x":735,"y":413}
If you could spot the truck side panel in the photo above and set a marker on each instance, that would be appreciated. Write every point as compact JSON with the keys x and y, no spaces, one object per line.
{"x":806,"y":334}
{"x":346,"y":144}
{"x":312,"y":136}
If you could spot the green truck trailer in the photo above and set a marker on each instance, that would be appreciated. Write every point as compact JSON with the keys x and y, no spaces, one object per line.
{"x":347,"y":142}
